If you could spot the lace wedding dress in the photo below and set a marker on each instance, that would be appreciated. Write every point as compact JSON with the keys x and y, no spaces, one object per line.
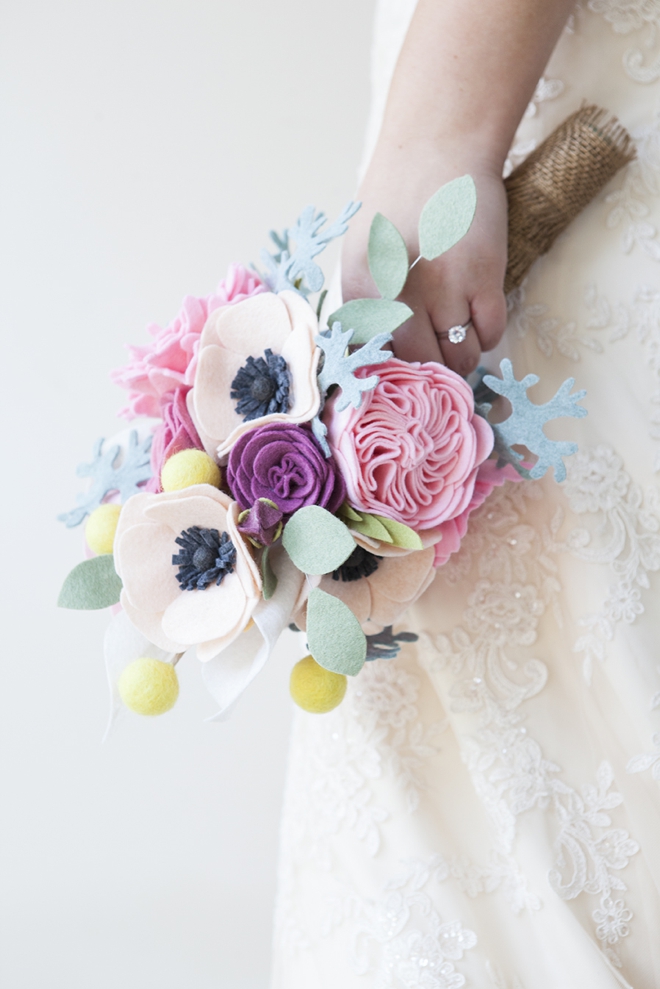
{"x":484,"y":810}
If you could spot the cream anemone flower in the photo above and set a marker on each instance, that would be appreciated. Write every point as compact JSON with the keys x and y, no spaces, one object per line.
{"x":198,"y":528}
{"x":268,"y":341}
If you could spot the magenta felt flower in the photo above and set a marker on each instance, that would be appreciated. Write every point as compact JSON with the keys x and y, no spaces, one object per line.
{"x":412,"y":450}
{"x":169,"y":362}
{"x":283,"y":462}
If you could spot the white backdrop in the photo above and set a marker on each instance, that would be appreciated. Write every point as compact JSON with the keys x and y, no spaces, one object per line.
{"x":145,"y":145}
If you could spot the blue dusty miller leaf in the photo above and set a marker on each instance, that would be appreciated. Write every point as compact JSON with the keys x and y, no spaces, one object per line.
{"x":320,"y":431}
{"x":293,"y":267}
{"x":388,"y":257}
{"x":316,"y":541}
{"x":447,"y":216}
{"x":91,"y":585}
{"x":386,"y":645}
{"x":334,"y":636}
{"x":525,"y":424}
{"x":111,"y":470}
{"x":338,"y":366}
{"x":369,"y":317}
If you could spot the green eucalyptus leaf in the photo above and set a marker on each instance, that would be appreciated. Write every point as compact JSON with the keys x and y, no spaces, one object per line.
{"x":316,"y":541}
{"x":268,"y":577}
{"x":369,"y":317}
{"x":447,"y":217}
{"x":372,"y":526}
{"x":388,"y":257}
{"x":91,"y":585}
{"x":400,"y":534}
{"x":334,"y":636}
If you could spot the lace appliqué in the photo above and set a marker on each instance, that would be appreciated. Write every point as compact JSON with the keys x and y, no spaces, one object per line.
{"x":517,"y":583}
{"x":551,"y":333}
{"x":546,"y":89}
{"x":648,"y":760}
{"x":624,"y":537}
{"x":400,"y":939}
{"x":643,"y":319}
{"x":627,"y":16}
{"x":641,"y":182}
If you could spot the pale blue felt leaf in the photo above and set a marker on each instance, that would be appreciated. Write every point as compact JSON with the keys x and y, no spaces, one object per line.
{"x":386,"y":645}
{"x":388,"y":257}
{"x":91,"y":585}
{"x":370,"y":317}
{"x":338,"y":366}
{"x":334,"y":636}
{"x":108,"y":474}
{"x":316,"y":541}
{"x":525,"y":424}
{"x":268,"y":575}
{"x":292,"y":267}
{"x":447,"y":216}
{"x":320,"y":431}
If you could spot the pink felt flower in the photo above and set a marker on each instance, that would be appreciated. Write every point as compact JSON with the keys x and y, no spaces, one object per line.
{"x":188,"y":574}
{"x":489,"y":476}
{"x":412,"y":450}
{"x":176,"y":432}
{"x":169,"y":362}
{"x":257,"y":365}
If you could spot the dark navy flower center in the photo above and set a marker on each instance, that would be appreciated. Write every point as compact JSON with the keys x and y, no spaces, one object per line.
{"x":262,"y":386}
{"x":361,"y":563}
{"x":206,"y":557}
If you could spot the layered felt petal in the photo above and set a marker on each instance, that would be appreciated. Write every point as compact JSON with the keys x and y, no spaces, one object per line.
{"x":286,"y":325}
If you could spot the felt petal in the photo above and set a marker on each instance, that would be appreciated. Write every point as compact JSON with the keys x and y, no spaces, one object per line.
{"x":214,"y":408}
{"x":150,"y":624}
{"x":400,"y":580}
{"x":196,"y":616}
{"x":207,"y":440}
{"x":253,"y":325}
{"x":144,"y":554}
{"x":207,"y":509}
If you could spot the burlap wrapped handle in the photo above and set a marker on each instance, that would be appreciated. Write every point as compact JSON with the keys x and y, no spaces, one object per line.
{"x":557,"y":181}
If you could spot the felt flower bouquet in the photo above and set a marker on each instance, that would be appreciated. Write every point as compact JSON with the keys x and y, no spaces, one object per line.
{"x":286,"y":470}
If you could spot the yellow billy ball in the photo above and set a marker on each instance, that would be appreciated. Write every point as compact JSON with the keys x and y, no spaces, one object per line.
{"x":189,"y":467}
{"x":101,"y":527}
{"x":314,"y":688}
{"x":149,"y":686}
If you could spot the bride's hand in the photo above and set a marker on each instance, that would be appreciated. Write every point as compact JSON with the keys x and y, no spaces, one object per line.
{"x":463,"y":284}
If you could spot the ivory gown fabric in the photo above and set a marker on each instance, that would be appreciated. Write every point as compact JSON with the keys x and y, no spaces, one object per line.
{"x":484,"y":810}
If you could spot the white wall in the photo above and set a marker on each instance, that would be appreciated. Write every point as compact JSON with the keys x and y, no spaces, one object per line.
{"x":145,"y":144}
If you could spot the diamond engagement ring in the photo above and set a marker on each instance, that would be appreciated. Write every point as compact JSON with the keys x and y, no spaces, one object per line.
{"x":456,"y":334}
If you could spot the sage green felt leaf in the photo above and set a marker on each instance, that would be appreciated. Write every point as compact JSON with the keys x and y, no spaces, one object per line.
{"x":347,"y":512}
{"x":388,"y":257}
{"x":91,"y":585}
{"x":400,"y":534}
{"x":334,"y":636}
{"x":370,"y":525}
{"x":316,"y":541}
{"x":447,"y":217}
{"x":369,"y":317}
{"x":268,"y":578}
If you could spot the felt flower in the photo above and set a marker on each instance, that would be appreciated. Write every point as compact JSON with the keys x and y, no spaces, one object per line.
{"x":412,"y":450}
{"x":378,"y":589}
{"x":188,"y":574}
{"x":284,"y":463}
{"x":262,"y":523}
{"x":170,"y":361}
{"x":257,"y":365}
{"x":176,"y":432}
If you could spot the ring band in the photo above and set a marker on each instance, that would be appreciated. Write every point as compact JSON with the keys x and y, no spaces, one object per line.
{"x":456,"y":334}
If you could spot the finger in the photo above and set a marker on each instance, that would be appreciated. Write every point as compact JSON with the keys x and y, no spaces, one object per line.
{"x":462,"y":357}
{"x":416,"y":340}
{"x":489,"y":317}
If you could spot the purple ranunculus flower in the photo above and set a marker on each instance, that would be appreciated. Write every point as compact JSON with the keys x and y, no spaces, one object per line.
{"x":283,"y":462}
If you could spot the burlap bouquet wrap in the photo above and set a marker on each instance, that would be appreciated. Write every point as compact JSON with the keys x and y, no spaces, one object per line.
{"x":557,"y":181}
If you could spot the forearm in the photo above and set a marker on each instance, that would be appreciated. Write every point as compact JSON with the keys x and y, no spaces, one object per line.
{"x":467,"y":70}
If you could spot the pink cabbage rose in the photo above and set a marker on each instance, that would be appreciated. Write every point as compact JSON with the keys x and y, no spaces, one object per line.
{"x":175,"y":433}
{"x":157,"y":603}
{"x":412,"y":450}
{"x":169,"y":362}
{"x":283,"y":326}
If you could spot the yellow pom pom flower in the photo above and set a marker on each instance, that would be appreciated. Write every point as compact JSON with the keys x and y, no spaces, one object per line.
{"x":101,"y":527}
{"x":189,"y":467}
{"x":314,"y":688}
{"x":149,"y":686}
